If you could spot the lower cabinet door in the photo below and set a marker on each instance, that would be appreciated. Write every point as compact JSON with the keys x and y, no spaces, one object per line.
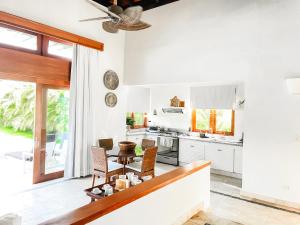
{"x":221,"y":156}
{"x":152,"y":137}
{"x":190,"y":151}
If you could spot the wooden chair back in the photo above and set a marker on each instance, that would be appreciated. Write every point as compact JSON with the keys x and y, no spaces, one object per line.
{"x":107,"y":143}
{"x":146,"y":143}
{"x":149,"y":159}
{"x":99,"y":159}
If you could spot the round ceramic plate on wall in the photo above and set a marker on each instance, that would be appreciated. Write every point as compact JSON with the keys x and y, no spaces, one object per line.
{"x":111,"y":80}
{"x":111,"y":99}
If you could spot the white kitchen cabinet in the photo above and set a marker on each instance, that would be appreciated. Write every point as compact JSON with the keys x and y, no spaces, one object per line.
{"x":238,"y":160}
{"x":221,"y":156}
{"x":190,"y":150}
{"x":136,"y":138}
{"x":152,"y":137}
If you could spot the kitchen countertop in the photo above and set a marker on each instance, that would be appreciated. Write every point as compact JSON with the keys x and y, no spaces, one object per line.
{"x":212,"y":140}
{"x":136,"y":133}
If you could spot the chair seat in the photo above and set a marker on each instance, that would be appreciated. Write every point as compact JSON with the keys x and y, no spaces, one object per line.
{"x":114,"y":166}
{"x":136,"y":166}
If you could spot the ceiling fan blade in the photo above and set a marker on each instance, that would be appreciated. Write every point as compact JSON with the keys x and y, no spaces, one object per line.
{"x":96,"y":18}
{"x":103,"y":9}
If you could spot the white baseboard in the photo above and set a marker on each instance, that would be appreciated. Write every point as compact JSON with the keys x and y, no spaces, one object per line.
{"x":292,"y":206}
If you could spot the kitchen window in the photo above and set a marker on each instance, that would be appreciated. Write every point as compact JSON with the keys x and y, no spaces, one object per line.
{"x":139,"y":119}
{"x":215,"y":121}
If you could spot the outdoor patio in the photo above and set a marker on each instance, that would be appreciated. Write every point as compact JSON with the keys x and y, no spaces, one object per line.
{"x":16,"y":162}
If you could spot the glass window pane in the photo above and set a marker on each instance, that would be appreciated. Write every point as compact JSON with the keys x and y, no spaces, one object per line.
{"x":57,"y":124}
{"x":223,"y":120}
{"x":60,"y":49}
{"x":17,"y":38}
{"x":139,"y":119}
{"x":202,"y":119}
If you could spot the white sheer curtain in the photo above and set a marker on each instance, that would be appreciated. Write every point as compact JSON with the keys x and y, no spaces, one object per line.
{"x":85,"y":71}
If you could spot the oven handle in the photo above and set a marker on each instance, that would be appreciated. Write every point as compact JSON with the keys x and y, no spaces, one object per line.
{"x":175,"y":138}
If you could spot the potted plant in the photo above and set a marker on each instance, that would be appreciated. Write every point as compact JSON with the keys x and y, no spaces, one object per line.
{"x":130,"y":122}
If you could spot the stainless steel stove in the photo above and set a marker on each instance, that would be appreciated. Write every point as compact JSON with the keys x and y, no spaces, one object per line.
{"x":168,"y":148}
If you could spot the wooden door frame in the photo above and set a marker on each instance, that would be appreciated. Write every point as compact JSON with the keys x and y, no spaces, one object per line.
{"x":40,"y":136}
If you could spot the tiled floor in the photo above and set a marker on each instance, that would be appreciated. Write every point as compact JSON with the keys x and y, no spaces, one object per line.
{"x":58,"y":197}
{"x":229,"y":211}
{"x":227,"y":185}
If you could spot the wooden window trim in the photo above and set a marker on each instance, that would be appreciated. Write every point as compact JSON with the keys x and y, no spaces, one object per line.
{"x":212,"y":123}
{"x":45,"y":47}
{"x":48,"y":31}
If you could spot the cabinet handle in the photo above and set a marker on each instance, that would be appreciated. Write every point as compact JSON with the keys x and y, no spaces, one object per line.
{"x":192,"y":146}
{"x":220,"y":150}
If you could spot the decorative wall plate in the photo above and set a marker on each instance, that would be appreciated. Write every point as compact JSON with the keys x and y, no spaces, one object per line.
{"x":111,"y":80}
{"x":111,"y":99}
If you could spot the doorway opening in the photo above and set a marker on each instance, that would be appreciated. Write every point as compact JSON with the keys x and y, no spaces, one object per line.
{"x":17,"y":106}
{"x":33,"y":133}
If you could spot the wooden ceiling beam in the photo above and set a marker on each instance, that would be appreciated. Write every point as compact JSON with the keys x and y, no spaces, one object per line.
{"x":48,"y":30}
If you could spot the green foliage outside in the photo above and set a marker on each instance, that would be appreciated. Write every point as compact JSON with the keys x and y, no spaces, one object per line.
{"x":11,"y":131}
{"x":17,"y":108}
{"x":223,"y":120}
{"x":137,"y":121}
{"x":202,"y":119}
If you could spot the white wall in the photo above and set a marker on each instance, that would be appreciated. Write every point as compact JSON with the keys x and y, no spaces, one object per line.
{"x":170,"y":205}
{"x":160,"y":98}
{"x":252,"y":41}
{"x":138,"y":99}
{"x":64,"y":14}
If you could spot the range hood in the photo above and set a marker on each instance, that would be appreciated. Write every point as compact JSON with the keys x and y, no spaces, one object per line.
{"x":173,"y":110}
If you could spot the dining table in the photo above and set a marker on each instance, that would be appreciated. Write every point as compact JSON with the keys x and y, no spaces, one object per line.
{"x":123,"y":156}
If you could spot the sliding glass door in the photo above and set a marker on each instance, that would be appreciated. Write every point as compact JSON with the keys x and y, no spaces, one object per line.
{"x":51,"y":132}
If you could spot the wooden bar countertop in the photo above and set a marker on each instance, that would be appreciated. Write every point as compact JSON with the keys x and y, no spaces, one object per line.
{"x":95,"y":210}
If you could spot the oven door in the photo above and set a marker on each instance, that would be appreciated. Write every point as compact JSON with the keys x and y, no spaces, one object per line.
{"x":167,"y":150}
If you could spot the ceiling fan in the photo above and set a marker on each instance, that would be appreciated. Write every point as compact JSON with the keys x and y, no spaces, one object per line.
{"x":117,"y":18}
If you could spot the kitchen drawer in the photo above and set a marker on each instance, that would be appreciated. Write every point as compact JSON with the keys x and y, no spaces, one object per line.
{"x":190,"y":151}
{"x":221,"y":156}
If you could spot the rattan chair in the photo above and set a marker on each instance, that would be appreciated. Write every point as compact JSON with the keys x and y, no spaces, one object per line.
{"x":146,"y":143}
{"x":147,"y":166}
{"x":108,"y":145}
{"x":102,"y":167}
